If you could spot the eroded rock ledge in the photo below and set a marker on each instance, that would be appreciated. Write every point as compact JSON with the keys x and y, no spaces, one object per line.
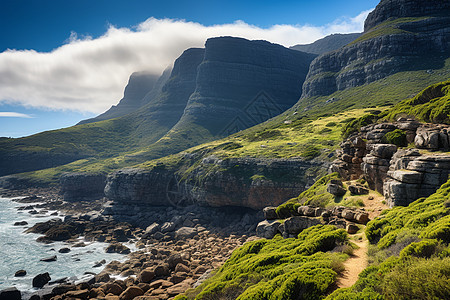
{"x":401,"y":175}
{"x":244,"y":182}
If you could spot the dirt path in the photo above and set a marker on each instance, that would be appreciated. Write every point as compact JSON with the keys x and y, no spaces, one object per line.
{"x":373,"y":204}
{"x":354,"y":265}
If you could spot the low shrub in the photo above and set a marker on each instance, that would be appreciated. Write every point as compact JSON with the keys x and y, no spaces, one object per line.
{"x":396,"y":137}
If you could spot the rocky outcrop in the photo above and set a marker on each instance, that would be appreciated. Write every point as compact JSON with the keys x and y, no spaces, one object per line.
{"x":393,"y":9}
{"x":82,"y":186}
{"x":139,"y":84}
{"x":412,"y":176}
{"x":306,"y":216}
{"x":385,"y":48}
{"x":401,"y":175}
{"x":327,"y":44}
{"x":141,"y":187}
{"x":433,"y":137}
{"x":245,"y":182}
{"x":376,"y":164}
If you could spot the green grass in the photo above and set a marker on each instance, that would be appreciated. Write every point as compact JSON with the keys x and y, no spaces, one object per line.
{"x":278,"y":268}
{"x":430,"y":105}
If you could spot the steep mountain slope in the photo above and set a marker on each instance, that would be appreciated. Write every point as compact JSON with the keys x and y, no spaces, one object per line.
{"x":328,"y":43}
{"x":139,"y":84}
{"x":399,"y":36}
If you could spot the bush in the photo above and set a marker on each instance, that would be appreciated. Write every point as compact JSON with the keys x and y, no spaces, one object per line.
{"x":396,"y":137}
{"x":418,"y":279}
{"x":424,"y":248}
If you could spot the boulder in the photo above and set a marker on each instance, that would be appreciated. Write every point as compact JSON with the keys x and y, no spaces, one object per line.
{"x":146,"y":275}
{"x":352,"y":228}
{"x":336,"y":189}
{"x":117,"y":248}
{"x":40,"y":280}
{"x":267,"y":229}
{"x":270,"y":213}
{"x":11,"y":293}
{"x":49,"y":259}
{"x":185,"y":233}
{"x":20,"y":273}
{"x":78,"y":294}
{"x":130,"y":293}
{"x":296,"y":224}
{"x":358,"y":190}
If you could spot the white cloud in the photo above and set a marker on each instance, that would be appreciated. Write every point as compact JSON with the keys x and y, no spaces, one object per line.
{"x":89,"y":74}
{"x":11,"y":114}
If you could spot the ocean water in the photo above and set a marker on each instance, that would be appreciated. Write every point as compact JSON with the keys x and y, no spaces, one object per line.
{"x":21,"y":251}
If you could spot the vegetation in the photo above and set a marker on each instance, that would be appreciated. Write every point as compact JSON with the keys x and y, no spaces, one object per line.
{"x":430,"y":105}
{"x":278,"y":268}
{"x":411,"y":257}
{"x":396,"y":137}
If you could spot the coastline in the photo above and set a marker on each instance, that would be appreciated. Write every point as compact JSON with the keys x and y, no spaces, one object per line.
{"x":163,"y":258}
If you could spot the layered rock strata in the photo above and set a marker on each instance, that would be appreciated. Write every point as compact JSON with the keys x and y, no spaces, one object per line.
{"x":412,"y":176}
{"x":245,"y":182}
{"x":401,"y":175}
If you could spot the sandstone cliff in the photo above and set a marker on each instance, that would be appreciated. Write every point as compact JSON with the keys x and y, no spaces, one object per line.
{"x":399,"y":35}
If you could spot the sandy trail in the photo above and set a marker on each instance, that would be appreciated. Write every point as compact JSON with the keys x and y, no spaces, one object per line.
{"x":354,"y":265}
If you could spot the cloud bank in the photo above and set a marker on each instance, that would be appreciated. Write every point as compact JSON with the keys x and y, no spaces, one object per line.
{"x":89,"y":75}
{"x":11,"y":114}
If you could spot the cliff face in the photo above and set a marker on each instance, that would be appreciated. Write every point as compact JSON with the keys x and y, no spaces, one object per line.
{"x":393,"y":9}
{"x":244,"y":182}
{"x":399,"y":35}
{"x":241,"y":83}
{"x":139,"y":84}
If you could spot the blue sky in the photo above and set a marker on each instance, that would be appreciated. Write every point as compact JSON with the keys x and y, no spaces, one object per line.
{"x":45,"y":75}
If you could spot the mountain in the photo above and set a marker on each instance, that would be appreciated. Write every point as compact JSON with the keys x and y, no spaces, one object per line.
{"x":327,"y":44}
{"x":398,"y":36}
{"x":228,"y":86}
{"x":139,"y":84}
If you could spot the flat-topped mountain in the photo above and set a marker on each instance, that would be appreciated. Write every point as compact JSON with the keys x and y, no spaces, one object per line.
{"x":399,"y":36}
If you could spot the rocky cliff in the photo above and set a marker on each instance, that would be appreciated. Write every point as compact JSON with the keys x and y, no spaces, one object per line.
{"x":393,"y":9}
{"x":327,"y":44}
{"x":399,"y":35}
{"x":244,"y":182}
{"x":241,"y":83}
{"x":139,"y":84}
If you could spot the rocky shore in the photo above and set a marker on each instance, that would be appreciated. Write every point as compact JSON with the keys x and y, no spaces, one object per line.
{"x":177,"y":248}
